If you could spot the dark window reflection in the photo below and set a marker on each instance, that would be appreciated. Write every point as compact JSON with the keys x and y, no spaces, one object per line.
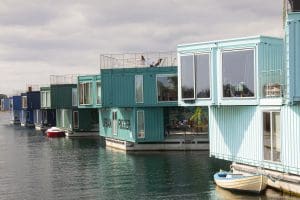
{"x":167,"y":88}
{"x":238,"y":73}
{"x":180,"y":120}
{"x":187,"y":77}
{"x":202,"y":75}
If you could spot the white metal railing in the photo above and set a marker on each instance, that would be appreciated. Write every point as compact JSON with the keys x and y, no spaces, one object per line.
{"x":130,"y":60}
{"x":63,"y":79}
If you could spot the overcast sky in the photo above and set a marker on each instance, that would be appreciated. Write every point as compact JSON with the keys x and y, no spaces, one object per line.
{"x":43,"y":37}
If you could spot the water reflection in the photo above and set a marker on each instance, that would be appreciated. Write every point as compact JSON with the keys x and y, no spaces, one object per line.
{"x":33,"y":166}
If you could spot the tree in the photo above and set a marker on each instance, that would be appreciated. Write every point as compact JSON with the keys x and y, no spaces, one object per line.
{"x":199,"y":118}
{"x":3,"y":96}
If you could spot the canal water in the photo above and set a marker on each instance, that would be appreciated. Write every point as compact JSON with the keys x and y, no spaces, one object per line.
{"x":33,"y":166}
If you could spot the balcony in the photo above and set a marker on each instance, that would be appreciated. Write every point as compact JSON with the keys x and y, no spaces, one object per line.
{"x":133,"y":60}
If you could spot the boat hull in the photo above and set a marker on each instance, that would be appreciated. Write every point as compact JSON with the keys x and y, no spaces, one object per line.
{"x":255,"y":183}
{"x":55,"y":132}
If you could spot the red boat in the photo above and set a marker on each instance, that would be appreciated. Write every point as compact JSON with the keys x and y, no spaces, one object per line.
{"x":55,"y":132}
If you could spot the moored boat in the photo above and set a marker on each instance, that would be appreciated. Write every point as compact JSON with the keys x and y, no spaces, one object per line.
{"x":55,"y":132}
{"x":240,"y":182}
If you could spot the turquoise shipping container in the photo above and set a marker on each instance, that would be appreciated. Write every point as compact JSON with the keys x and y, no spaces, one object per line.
{"x":119,"y":87}
{"x":63,"y":96}
{"x":124,"y":124}
{"x":208,"y":72}
{"x":237,"y":134}
{"x":292,"y":56}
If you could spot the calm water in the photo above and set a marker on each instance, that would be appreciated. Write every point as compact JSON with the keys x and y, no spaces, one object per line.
{"x":33,"y":166}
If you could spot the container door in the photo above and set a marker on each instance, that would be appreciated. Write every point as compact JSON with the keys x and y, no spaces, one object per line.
{"x":114,"y":123}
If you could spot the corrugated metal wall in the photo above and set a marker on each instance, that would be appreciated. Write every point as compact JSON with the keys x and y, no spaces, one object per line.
{"x":290,"y":120}
{"x":118,"y":86}
{"x":293,"y":56}
{"x":61,"y":96}
{"x":88,"y":120}
{"x":154,"y":124}
{"x":105,"y":123}
{"x":17,"y":103}
{"x":33,"y":100}
{"x":236,"y":135}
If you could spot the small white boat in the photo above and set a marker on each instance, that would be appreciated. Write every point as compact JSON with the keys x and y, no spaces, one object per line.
{"x":240,"y":182}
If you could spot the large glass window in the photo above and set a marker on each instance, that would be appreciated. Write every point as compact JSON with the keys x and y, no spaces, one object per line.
{"x":48,"y":98}
{"x":139,"y":93}
{"x":271,"y":138}
{"x":74,"y":97}
{"x":187,"y":77}
{"x":238,"y":73}
{"x":24,"y":101}
{"x":202,"y":65}
{"x":45,"y":99}
{"x":114,"y":123}
{"x":98,"y":88}
{"x":85,"y":93}
{"x":140,"y":124}
{"x":76,"y":119}
{"x":182,"y":120}
{"x":166,"y":87}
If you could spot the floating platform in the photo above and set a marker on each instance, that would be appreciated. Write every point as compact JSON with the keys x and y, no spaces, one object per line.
{"x":82,"y":134}
{"x":171,"y":143}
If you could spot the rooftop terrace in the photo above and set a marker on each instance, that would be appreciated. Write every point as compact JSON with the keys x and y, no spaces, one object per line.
{"x":63,"y":79}
{"x":132,"y":60}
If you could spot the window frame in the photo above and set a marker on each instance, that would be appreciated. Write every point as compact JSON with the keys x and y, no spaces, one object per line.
{"x":271,"y":111}
{"x":114,"y":122}
{"x":84,"y":93}
{"x":193,"y":74}
{"x":75,"y":98}
{"x":209,"y":74}
{"x":137,"y":123}
{"x":254,"y":49}
{"x":24,"y":102}
{"x":135,"y":88}
{"x":165,"y":75}
{"x":98,"y":103}
{"x":76,"y":125}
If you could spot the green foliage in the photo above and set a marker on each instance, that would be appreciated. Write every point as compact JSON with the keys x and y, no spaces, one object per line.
{"x":3,"y":96}
{"x":199,"y":117}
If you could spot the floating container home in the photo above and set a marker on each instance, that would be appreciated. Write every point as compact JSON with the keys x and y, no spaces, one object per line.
{"x":30,"y":108}
{"x":16,"y":111}
{"x":89,"y":93}
{"x":48,"y":114}
{"x":251,"y":88}
{"x":5,"y":104}
{"x":75,"y":121}
{"x":139,"y":102}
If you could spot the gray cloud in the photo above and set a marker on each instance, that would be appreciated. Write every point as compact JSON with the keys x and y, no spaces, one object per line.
{"x":43,"y":37}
